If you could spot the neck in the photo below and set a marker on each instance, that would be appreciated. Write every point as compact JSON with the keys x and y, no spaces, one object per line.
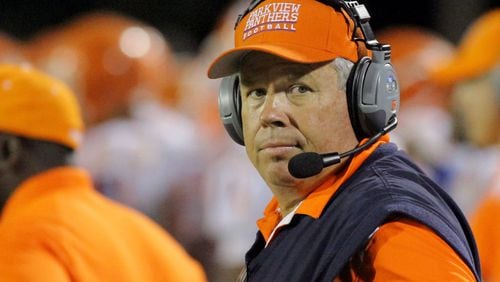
{"x":291,"y":194}
{"x":288,"y":201}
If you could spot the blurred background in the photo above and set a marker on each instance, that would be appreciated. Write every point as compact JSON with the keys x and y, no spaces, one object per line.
{"x":154,"y":139}
{"x":186,"y":22}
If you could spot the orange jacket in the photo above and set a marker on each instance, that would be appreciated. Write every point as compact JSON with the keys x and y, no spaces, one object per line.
{"x":56,"y":227}
{"x":402,"y":250}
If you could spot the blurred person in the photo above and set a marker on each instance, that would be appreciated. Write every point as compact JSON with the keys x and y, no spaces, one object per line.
{"x":139,"y":147}
{"x":425,"y":124}
{"x":137,"y":144}
{"x":233,"y":196}
{"x":232,"y":193}
{"x":196,"y":91}
{"x":474,"y":75}
{"x":366,"y":214}
{"x":140,"y":160}
{"x":54,"y":226}
{"x":10,"y":49}
{"x":119,"y":59}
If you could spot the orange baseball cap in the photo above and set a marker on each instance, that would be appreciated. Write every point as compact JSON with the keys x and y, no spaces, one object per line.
{"x":304,"y":31}
{"x":478,"y":51}
{"x":35,"y":105}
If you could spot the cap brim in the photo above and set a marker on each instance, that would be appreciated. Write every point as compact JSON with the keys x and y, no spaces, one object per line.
{"x":228,"y":62}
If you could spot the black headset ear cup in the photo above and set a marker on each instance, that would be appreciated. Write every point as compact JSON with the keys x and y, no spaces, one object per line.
{"x":372,"y":95}
{"x":230,"y":107}
{"x":354,"y":84}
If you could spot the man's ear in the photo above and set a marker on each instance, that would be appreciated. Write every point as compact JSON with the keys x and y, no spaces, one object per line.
{"x":10,"y":151}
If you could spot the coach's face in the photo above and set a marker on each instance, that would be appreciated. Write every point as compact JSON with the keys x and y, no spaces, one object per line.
{"x":289,"y":108}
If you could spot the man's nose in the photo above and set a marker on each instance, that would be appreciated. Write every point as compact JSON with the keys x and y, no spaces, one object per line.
{"x":275,"y":109}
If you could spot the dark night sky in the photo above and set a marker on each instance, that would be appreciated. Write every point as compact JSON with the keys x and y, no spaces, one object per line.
{"x":191,"y":18}
{"x":189,"y":21}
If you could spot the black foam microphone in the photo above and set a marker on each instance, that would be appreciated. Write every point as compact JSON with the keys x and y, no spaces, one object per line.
{"x":310,"y":163}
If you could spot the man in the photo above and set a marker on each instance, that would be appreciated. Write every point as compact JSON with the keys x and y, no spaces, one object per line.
{"x":54,"y":226}
{"x":474,"y":74}
{"x":368,"y":214}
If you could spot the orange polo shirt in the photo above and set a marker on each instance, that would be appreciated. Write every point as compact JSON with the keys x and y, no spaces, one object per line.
{"x":56,"y":227}
{"x":403,"y":250}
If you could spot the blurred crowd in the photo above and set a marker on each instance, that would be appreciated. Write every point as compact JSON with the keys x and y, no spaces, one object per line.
{"x":154,"y":140}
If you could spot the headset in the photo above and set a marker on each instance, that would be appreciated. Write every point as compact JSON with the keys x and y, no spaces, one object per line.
{"x":372,"y":87}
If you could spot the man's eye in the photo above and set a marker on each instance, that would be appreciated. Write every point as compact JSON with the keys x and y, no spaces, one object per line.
{"x":257,"y":93}
{"x":299,"y":89}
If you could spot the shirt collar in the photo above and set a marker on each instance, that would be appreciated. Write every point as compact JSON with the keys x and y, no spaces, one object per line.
{"x":314,"y":204}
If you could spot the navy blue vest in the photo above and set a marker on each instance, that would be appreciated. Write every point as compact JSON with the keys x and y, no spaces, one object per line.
{"x":386,"y":187}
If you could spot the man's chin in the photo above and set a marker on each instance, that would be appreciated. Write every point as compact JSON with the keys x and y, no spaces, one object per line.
{"x":278,"y":174}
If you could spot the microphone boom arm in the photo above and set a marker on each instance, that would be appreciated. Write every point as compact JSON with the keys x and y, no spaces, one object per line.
{"x":310,"y":163}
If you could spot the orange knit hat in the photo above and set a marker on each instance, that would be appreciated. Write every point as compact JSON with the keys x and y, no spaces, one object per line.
{"x":35,"y":105}
{"x":477,"y":53}
{"x":304,"y":31}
